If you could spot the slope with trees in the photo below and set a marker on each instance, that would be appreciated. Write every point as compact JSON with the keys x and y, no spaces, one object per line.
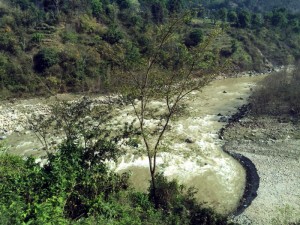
{"x":62,"y":46}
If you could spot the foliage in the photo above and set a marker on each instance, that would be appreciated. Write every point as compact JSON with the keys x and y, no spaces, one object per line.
{"x":101,"y":31}
{"x":37,"y":37}
{"x":113,"y":35}
{"x":66,"y":190}
{"x":45,"y":58}
{"x":69,"y":37}
{"x":278,"y":95}
{"x":244,"y":19}
{"x":97,"y":7}
{"x":194,"y":38}
{"x":8,"y":43}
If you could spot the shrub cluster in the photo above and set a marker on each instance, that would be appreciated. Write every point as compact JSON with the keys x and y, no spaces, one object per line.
{"x":278,"y":94}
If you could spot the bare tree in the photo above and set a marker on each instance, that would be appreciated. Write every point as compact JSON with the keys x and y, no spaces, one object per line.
{"x":169,"y":73}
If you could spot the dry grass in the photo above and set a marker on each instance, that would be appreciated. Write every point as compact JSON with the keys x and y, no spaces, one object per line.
{"x":278,"y":94}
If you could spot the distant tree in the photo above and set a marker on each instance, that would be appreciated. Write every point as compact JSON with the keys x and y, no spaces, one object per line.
{"x":194,"y":38}
{"x":295,"y":24}
{"x":279,"y":18}
{"x":97,"y":7}
{"x":175,"y":6}
{"x":9,"y":43}
{"x":244,"y":19}
{"x":232,"y":17}
{"x":158,"y":12}
{"x":113,"y":35}
{"x":123,"y":4}
{"x":53,"y":5}
{"x":222,"y":14}
{"x":45,"y":58}
{"x":256,"y":20}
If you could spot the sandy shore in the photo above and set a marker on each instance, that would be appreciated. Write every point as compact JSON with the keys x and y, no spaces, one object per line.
{"x":273,"y":147}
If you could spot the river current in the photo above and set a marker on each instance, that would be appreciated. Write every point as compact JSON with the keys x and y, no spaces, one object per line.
{"x":194,"y":156}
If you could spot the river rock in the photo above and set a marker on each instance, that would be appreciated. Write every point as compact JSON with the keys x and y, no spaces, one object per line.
{"x":19,"y":129}
{"x":189,"y":141}
{"x":223,"y":119}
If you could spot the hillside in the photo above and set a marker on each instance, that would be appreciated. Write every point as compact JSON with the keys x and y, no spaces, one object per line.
{"x":51,"y":47}
{"x":256,"y":5}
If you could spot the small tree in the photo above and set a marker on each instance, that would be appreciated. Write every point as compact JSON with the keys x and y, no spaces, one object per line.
{"x":232,"y":17}
{"x":222,"y":14}
{"x":244,"y":19}
{"x":194,"y":38}
{"x":45,"y":58}
{"x":169,"y":72}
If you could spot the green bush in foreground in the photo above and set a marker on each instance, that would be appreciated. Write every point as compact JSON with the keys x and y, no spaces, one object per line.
{"x":75,"y":185}
{"x":69,"y":189}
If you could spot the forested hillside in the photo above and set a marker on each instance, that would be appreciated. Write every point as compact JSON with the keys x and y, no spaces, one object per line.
{"x":255,"y":5}
{"x":55,"y":46}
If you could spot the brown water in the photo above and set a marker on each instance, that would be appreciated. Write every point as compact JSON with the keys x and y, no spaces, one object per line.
{"x":218,"y":178}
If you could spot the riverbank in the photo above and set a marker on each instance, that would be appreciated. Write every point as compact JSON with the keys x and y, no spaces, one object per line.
{"x":272,"y":145}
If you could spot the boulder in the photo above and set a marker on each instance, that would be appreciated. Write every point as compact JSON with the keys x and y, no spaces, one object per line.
{"x":3,"y":137}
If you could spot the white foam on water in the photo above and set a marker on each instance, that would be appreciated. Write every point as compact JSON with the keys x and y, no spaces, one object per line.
{"x":194,"y":148}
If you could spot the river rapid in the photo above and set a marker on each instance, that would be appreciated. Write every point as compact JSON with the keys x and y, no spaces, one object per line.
{"x":194,"y":154}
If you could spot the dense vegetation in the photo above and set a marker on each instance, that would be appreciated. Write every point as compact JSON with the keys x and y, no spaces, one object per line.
{"x":255,"y":5}
{"x":278,"y":95}
{"x":71,"y":190}
{"x":55,"y":46}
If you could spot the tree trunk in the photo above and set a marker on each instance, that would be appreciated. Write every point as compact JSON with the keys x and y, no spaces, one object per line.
{"x":153,"y":189}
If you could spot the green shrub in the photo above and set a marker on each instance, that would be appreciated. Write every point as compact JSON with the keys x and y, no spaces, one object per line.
{"x":9,"y":43}
{"x":45,"y":58}
{"x":69,"y":37}
{"x":194,"y":38}
{"x":37,"y":37}
{"x":278,"y":94}
{"x":113,"y":35}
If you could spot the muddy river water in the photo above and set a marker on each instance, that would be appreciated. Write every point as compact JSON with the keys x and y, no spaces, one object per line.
{"x":198,"y":162}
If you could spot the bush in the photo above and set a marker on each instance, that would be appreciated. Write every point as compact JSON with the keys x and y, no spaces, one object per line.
{"x":113,"y":35}
{"x":44,"y":59}
{"x":179,"y":205}
{"x":278,"y":94}
{"x":9,"y":43}
{"x":69,"y":37}
{"x":194,"y":38}
{"x":37,"y":37}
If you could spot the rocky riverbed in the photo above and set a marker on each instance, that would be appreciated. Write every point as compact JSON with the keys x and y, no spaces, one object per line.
{"x":272,"y":144}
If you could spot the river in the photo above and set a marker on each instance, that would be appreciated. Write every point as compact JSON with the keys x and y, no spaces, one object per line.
{"x":198,"y":162}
